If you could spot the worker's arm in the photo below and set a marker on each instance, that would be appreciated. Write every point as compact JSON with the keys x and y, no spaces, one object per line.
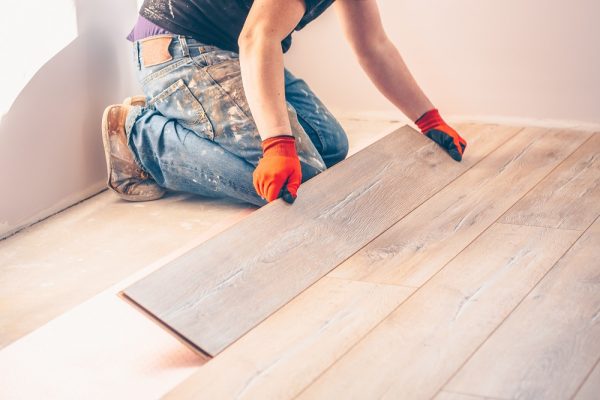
{"x":261,"y":62}
{"x":384,"y":65}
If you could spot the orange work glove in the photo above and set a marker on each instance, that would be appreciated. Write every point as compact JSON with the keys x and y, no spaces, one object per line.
{"x":435,"y":128}
{"x":278,"y":167}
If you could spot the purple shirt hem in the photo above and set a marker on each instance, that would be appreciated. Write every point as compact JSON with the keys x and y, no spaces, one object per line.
{"x":144,"y":28}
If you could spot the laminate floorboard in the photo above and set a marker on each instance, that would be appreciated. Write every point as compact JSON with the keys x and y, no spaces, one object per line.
{"x":569,"y":197}
{"x":217,"y":292}
{"x":549,"y":344}
{"x":282,"y":355}
{"x":416,"y":349}
{"x":419,"y":245}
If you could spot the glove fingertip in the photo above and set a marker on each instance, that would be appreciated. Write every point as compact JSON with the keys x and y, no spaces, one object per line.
{"x":455,"y":155}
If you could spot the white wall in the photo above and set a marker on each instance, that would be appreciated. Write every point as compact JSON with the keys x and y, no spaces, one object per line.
{"x":505,"y":60}
{"x":63,"y":62}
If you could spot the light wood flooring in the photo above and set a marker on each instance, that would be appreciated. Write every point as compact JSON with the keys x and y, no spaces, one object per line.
{"x":490,"y":289}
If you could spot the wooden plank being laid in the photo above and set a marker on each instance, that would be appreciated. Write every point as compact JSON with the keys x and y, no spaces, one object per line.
{"x":415,"y":350}
{"x":417,"y":247}
{"x":301,"y":340}
{"x":591,"y":387}
{"x":215,"y":293}
{"x":569,"y":198}
{"x":548,"y":345}
{"x":292,"y":347}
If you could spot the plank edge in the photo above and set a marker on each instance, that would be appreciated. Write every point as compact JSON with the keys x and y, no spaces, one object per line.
{"x":199,"y":351}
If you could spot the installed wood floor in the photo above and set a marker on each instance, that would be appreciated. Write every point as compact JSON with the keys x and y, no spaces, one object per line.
{"x":489,"y":289}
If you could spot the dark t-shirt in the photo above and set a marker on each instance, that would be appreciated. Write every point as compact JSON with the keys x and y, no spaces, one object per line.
{"x":215,"y":22}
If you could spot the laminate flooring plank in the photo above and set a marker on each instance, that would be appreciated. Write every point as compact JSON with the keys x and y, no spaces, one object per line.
{"x":590,"y":390}
{"x":416,"y":349}
{"x":217,"y":292}
{"x":418,"y":246}
{"x":292,"y":347}
{"x":550,"y":343}
{"x":568,"y":198}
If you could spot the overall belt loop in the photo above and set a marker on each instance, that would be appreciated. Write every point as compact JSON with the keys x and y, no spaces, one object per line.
{"x":136,"y":55}
{"x":184,"y":46}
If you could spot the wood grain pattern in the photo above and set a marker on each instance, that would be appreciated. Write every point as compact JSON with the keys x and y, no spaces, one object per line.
{"x":569,"y":197}
{"x":417,"y":247}
{"x":590,"y":389}
{"x":547,"y":346}
{"x":292,"y":347}
{"x":217,"y":292}
{"x":415,"y":350}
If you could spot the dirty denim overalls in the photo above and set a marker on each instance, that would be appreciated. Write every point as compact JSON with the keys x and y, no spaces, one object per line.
{"x":196,"y":133}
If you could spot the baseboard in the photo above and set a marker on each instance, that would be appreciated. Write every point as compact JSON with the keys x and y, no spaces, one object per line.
{"x":69,"y":201}
{"x":527,"y":122}
{"x":397,"y":116}
{"x":371,"y":115}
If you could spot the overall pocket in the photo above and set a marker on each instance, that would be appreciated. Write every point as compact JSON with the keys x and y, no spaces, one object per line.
{"x":227,"y":76}
{"x":178,"y":102}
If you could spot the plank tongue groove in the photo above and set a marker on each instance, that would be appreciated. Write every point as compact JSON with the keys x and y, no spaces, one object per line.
{"x":220,"y":290}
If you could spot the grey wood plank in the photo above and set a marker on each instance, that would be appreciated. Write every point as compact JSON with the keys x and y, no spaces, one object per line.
{"x":549,"y":344}
{"x":217,"y":292}
{"x":569,"y":198}
{"x":302,"y":339}
{"x":418,"y":347}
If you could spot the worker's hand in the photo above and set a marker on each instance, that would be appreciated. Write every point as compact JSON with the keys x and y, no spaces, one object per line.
{"x":278,"y":167}
{"x":433,"y":126}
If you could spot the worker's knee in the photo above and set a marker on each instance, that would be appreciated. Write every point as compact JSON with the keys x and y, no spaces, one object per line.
{"x":335,"y":144}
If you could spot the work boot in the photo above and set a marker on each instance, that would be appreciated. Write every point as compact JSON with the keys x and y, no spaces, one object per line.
{"x":125,"y":178}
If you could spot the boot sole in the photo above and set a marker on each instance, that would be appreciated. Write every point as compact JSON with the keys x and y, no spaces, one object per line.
{"x":106,"y":144}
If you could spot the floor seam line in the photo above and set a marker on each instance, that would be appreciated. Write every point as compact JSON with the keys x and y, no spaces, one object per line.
{"x":541,"y":227}
{"x":470,"y":395}
{"x":549,"y":173}
{"x":371,"y":283}
{"x":587,"y":376}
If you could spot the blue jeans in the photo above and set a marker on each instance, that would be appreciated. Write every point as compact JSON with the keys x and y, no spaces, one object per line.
{"x":196,"y":133}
